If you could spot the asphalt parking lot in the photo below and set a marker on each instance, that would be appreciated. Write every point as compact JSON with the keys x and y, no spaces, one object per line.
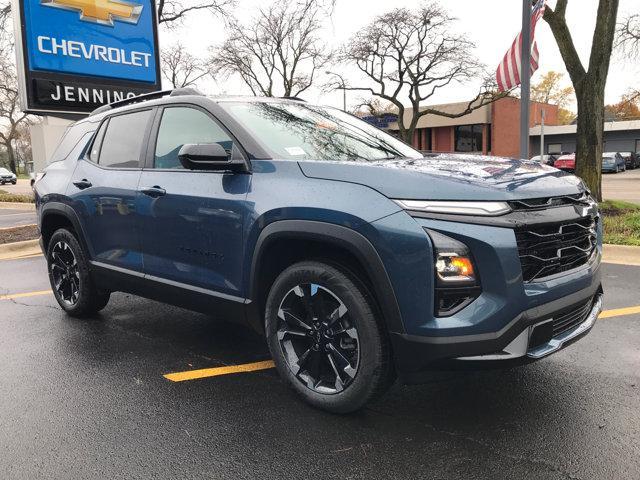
{"x":88,"y":399}
{"x":622,"y":186}
{"x":23,"y":187}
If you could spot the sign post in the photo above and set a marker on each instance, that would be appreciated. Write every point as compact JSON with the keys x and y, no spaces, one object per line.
{"x":525,"y":74}
{"x":76,"y":55}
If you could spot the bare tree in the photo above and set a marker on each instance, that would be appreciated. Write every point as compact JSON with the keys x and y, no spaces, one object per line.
{"x":280,"y":52}
{"x":173,"y":11}
{"x":407,"y":55}
{"x":628,"y":43}
{"x":11,"y":117}
{"x":589,"y":85}
{"x":180,"y":68}
{"x":628,"y":35}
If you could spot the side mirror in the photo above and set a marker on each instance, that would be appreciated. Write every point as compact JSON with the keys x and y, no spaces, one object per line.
{"x":208,"y":156}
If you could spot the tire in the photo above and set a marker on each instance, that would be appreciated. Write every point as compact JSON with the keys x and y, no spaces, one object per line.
{"x":70,"y":278}
{"x":342,"y":360}
{"x":13,"y":183}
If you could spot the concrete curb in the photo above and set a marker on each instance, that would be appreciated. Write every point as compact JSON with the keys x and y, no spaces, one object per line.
{"x":18,"y":206}
{"x":19,"y":249}
{"x":621,"y":255}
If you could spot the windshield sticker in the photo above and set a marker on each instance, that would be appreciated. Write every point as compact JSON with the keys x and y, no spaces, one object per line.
{"x":295,"y":151}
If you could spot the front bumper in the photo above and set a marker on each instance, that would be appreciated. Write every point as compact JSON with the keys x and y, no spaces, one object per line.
{"x":510,"y":346}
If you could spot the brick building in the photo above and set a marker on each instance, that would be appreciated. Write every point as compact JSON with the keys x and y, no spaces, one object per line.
{"x":492,"y":129}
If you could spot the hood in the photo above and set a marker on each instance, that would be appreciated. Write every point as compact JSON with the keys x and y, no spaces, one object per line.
{"x":451,"y":177}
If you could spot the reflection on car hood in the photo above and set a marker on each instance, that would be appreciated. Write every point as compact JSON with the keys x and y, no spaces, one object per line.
{"x":451,"y":177}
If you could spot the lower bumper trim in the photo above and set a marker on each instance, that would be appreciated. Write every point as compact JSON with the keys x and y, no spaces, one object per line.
{"x":519,"y":347}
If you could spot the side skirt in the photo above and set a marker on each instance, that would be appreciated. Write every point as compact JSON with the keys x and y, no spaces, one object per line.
{"x":117,"y":279}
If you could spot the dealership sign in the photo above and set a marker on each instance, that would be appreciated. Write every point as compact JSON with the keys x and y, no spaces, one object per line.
{"x":75,"y":55}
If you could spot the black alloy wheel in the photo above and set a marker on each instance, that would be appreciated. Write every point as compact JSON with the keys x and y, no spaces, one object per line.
{"x":327,"y":337}
{"x":318,"y":339}
{"x":65,"y":273}
{"x":70,"y":277}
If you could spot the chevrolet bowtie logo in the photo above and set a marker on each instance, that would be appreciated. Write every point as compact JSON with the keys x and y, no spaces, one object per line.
{"x":103,"y":12}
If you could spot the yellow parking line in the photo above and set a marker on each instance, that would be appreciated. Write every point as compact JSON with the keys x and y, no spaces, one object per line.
{"x":618,"y":312}
{"x":215,"y":372}
{"x":24,"y":295}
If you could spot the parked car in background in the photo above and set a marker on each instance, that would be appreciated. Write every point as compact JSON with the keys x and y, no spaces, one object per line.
{"x":7,"y":176}
{"x":566,"y":162}
{"x":613,"y":162}
{"x":545,"y":159}
{"x":631,"y":160}
{"x":356,"y":257}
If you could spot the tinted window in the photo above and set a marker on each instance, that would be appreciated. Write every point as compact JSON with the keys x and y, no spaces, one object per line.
{"x":94,"y":153}
{"x":182,"y":125}
{"x":123,"y":139}
{"x":70,"y":139}
{"x":299,"y":131}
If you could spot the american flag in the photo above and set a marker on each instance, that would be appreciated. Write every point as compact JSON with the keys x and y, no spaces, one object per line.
{"x":508,"y":73}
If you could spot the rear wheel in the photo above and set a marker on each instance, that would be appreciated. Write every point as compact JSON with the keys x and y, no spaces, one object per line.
{"x":326,"y":338}
{"x":70,"y":278}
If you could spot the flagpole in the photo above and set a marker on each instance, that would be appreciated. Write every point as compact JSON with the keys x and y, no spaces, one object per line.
{"x":525,"y":74}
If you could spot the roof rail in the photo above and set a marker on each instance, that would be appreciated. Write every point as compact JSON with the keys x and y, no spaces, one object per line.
{"x":176,"y":92}
{"x":297,"y":99}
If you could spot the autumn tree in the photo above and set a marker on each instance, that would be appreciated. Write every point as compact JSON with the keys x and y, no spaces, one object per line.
{"x":550,"y":89}
{"x":278,"y":52}
{"x":628,"y":108}
{"x":180,"y":68}
{"x":589,"y":84}
{"x":408,"y":55}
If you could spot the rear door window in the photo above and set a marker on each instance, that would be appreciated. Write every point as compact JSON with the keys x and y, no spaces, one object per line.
{"x":121,"y":144}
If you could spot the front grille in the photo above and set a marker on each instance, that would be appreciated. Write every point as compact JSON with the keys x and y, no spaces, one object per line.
{"x":549,"y":249}
{"x":549,"y":202}
{"x":572,"y":318}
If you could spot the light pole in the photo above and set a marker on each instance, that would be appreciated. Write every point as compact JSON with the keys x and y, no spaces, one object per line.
{"x":343,"y":88}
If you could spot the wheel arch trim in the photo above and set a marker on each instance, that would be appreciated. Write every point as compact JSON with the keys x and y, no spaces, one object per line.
{"x":63,"y":210}
{"x":339,"y":236}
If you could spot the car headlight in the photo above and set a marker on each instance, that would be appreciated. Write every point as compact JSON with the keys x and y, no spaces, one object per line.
{"x":487,"y":209}
{"x":456,"y":279}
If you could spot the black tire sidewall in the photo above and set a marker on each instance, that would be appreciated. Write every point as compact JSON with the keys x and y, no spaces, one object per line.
{"x":372,"y":362}
{"x":89,"y":299}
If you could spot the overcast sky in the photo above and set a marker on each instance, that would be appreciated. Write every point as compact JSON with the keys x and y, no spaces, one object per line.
{"x":491,"y":24}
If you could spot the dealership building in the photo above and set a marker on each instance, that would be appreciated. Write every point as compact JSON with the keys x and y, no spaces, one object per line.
{"x":494,"y":129}
{"x":618,"y":137}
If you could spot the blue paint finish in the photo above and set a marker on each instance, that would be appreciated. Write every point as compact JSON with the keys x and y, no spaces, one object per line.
{"x":205,"y":230}
{"x":193,"y":234}
{"x":109,"y":213}
{"x":130,"y":49}
{"x":446,"y":178}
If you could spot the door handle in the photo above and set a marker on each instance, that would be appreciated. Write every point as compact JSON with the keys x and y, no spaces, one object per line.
{"x":82,"y":184}
{"x":154,"y":191}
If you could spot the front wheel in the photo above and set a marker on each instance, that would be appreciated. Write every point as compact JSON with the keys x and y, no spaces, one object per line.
{"x":326,"y":337}
{"x":70,"y":278}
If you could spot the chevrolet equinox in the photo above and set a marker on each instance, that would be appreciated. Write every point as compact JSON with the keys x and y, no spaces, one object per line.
{"x":359,"y":258}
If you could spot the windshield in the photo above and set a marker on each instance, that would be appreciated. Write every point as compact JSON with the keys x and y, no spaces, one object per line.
{"x":4,"y":171}
{"x":298,"y":131}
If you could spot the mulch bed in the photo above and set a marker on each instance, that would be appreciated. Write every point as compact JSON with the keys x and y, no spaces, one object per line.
{"x":19,"y":234}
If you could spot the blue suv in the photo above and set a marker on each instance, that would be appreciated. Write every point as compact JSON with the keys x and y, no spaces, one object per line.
{"x":359,"y":258}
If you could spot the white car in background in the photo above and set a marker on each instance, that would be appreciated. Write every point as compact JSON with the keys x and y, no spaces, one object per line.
{"x":7,"y":177}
